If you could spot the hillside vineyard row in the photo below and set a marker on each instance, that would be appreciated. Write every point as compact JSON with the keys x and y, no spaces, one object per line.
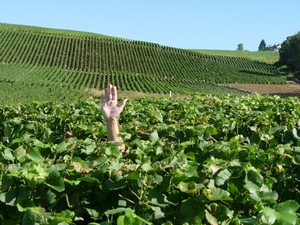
{"x":79,"y":60}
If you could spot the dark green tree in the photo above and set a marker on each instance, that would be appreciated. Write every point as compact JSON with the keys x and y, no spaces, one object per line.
{"x":289,"y":54}
{"x":240,"y":47}
{"x":262,"y":45}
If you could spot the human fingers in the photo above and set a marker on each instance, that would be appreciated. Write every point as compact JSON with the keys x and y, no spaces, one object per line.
{"x":114,"y":93}
{"x":102,"y":100}
{"x":108,"y":93}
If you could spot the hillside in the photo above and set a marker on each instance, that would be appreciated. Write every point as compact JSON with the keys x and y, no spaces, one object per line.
{"x":76,"y":60}
{"x":263,"y":56}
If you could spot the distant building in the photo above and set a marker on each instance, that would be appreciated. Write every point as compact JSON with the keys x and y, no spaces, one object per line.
{"x":275,"y":47}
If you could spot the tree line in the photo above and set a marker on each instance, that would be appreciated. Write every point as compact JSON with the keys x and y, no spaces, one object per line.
{"x":289,"y":54}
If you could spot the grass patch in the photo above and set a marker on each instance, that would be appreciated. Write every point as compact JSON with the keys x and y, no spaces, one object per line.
{"x":265,"y":56}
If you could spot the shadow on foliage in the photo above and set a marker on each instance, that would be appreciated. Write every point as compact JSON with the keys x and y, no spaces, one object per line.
{"x":285,"y":95}
{"x":258,"y":73}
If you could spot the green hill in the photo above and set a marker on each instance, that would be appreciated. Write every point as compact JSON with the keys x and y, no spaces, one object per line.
{"x":34,"y":57}
{"x":263,"y":56}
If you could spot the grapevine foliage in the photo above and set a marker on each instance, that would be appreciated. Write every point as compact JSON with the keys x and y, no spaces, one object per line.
{"x":207,"y":160}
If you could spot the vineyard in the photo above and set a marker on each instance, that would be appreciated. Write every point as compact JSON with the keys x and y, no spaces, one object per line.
{"x":208,"y":160}
{"x":77,"y":60}
{"x":218,"y":156}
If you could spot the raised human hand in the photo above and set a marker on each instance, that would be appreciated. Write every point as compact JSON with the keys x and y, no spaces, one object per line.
{"x":109,"y":104}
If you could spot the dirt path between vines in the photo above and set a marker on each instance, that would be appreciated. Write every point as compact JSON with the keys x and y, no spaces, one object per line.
{"x":292,"y":88}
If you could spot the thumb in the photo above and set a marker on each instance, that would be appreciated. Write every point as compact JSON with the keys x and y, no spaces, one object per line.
{"x":122,"y":104}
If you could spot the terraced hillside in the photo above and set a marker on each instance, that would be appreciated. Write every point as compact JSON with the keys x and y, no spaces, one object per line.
{"x":76,"y":60}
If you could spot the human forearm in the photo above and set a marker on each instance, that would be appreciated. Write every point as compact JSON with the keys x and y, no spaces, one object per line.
{"x":111,"y":110}
{"x":112,"y":127}
{"x":113,"y":133}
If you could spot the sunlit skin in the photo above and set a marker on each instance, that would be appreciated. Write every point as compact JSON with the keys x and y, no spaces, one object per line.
{"x":110,"y":107}
{"x":111,"y":111}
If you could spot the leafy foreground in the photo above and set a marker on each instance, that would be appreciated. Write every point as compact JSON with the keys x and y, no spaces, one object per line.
{"x":208,"y":160}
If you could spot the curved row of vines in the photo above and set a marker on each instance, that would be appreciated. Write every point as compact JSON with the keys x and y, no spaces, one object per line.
{"x":90,"y":61}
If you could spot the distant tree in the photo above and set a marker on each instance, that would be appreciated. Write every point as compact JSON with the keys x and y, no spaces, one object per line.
{"x":262,"y":45}
{"x":289,"y":54}
{"x":240,"y":47}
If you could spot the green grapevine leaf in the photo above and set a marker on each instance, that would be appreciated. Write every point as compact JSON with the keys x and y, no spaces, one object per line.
{"x":7,"y":154}
{"x":62,"y":147}
{"x":158,"y":214}
{"x":20,"y":154}
{"x":154,"y":136}
{"x":147,"y":167}
{"x":64,"y":217}
{"x":38,"y":143}
{"x":9,"y":197}
{"x":157,"y":198}
{"x":286,"y":212}
{"x":159,"y":117}
{"x":254,"y":177}
{"x":6,"y":182}
{"x":218,"y":194}
{"x":35,"y":215}
{"x":35,"y":155}
{"x":222,"y":176}
{"x":283,"y":213}
{"x":268,"y":215}
{"x":55,"y":181}
{"x":211,"y":219}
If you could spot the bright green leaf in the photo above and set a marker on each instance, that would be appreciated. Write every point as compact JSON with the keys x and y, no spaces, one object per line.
{"x":62,"y":147}
{"x":157,"y":212}
{"x":20,"y":154}
{"x":7,"y":154}
{"x":154,"y":136}
{"x":218,"y":194}
{"x":159,"y":117}
{"x":211,"y":219}
{"x":147,"y":167}
{"x":222,"y":177}
{"x":35,"y":155}
{"x":268,"y":215}
{"x":38,"y":143}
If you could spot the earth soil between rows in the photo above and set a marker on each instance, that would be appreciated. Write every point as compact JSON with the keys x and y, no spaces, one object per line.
{"x":291,"y":89}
